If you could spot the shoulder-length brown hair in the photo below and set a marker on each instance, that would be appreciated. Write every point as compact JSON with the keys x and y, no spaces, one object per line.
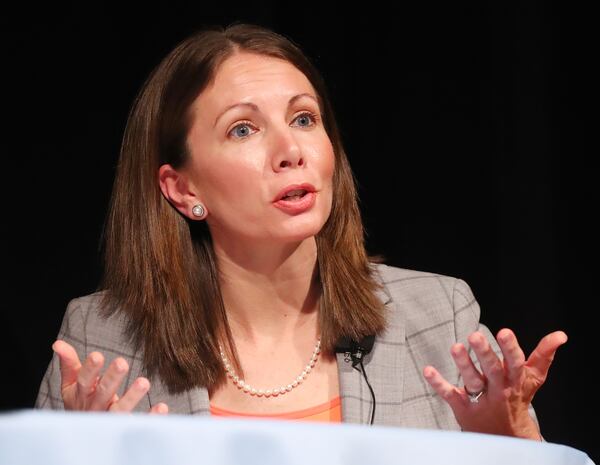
{"x":160,"y":267}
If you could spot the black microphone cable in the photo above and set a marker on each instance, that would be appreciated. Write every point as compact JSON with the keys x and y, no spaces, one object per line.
{"x":356,"y":351}
{"x":356,"y":360}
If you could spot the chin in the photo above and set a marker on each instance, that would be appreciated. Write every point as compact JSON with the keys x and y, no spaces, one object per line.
{"x":299,"y":232}
{"x":298,"y":236}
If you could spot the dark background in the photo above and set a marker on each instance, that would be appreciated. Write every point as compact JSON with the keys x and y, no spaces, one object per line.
{"x":463,"y":122}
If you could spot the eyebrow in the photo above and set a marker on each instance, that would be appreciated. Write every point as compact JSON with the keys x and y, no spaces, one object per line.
{"x":254,"y":107}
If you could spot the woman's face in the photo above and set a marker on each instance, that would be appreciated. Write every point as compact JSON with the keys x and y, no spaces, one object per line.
{"x":257,"y":132}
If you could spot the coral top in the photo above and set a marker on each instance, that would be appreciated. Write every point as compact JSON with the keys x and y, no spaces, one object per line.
{"x":330,"y":411}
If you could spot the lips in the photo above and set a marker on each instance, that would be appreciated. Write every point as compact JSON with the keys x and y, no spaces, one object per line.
{"x":296,"y":198}
{"x":294,"y":191}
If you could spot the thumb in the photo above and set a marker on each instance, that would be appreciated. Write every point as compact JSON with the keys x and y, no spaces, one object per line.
{"x":543,"y":355}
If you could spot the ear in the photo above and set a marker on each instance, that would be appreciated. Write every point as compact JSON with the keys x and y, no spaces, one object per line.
{"x":178,"y":190}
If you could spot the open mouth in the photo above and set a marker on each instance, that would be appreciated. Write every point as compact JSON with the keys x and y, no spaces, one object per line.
{"x":294,"y":195}
{"x":297,"y":200}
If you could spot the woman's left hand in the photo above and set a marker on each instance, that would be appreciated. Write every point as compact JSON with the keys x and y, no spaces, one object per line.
{"x":506,"y":386}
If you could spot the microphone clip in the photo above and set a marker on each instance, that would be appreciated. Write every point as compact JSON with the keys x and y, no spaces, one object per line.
{"x":356,"y":350}
{"x":355,"y":357}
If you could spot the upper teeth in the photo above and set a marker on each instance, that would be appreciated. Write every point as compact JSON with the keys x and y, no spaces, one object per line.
{"x":294,"y":192}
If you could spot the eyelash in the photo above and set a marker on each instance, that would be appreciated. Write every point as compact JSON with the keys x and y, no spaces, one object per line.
{"x":310,"y":114}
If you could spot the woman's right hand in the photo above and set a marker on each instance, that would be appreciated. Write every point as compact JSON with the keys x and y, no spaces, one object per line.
{"x":83,"y":388}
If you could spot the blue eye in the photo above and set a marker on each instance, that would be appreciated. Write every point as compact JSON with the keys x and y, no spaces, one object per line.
{"x":242,"y":130}
{"x":307,"y":115}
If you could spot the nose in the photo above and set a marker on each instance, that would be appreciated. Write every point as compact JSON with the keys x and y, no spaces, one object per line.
{"x":287,"y":152}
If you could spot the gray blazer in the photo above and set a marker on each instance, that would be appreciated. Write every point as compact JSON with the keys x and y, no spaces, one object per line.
{"x":428,"y":313}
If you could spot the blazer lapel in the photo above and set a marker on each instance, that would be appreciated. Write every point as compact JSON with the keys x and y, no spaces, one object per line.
{"x":384,"y":367}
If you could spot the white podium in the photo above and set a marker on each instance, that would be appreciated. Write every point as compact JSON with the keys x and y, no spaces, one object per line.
{"x":69,"y":438}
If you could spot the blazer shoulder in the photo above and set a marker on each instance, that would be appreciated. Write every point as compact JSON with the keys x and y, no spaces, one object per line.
{"x":86,"y":318}
{"x":425,"y":298}
{"x":396,"y":279}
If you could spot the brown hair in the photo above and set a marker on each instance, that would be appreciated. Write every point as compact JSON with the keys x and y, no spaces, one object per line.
{"x":160,"y":268}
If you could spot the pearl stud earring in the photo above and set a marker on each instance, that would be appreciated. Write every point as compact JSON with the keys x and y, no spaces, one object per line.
{"x":198,"y":210}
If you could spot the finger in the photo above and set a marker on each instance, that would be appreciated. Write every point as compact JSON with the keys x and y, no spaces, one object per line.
{"x":131,"y":398}
{"x":69,"y":362}
{"x":514,"y":358}
{"x":450,"y":393}
{"x":113,"y":403}
{"x":160,"y":408}
{"x":109,"y":384}
{"x":88,"y":376}
{"x":541,"y":358}
{"x":472,"y":378}
{"x":490,"y":363}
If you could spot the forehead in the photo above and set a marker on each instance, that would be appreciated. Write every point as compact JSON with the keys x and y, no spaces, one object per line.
{"x":254,"y":78}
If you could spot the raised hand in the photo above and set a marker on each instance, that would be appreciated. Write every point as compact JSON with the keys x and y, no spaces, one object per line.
{"x":496,"y":400}
{"x":83,"y":388}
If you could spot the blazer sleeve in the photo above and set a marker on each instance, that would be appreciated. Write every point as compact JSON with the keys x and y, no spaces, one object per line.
{"x":466,"y":321}
{"x":73,"y":331}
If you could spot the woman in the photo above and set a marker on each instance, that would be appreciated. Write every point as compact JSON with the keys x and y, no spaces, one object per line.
{"x":235,"y":268}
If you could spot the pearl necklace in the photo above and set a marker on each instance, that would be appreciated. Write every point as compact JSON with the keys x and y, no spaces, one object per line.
{"x":246,"y":388}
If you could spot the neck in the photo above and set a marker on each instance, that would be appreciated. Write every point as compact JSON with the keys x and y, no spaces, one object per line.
{"x":270,"y":292}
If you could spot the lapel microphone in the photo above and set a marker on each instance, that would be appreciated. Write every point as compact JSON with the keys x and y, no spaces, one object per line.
{"x":355,"y":351}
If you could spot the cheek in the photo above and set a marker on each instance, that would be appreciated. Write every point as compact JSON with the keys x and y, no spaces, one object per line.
{"x":328,"y":164}
{"x":229,"y":183}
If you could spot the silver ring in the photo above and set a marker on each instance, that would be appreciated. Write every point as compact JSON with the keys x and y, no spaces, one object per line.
{"x":474,"y":396}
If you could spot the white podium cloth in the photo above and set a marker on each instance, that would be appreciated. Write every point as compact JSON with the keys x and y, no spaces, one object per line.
{"x":73,"y":438}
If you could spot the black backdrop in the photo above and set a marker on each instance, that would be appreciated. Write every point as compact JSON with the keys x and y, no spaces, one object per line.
{"x":463,"y":123}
